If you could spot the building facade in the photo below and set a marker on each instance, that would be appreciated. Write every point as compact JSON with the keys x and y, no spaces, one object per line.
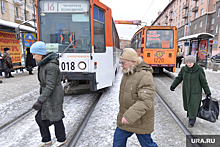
{"x":192,"y":17}
{"x":13,"y":14}
{"x":125,"y":43}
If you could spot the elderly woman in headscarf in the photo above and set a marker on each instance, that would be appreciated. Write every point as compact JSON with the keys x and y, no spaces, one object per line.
{"x":194,"y":80}
{"x":8,"y":63}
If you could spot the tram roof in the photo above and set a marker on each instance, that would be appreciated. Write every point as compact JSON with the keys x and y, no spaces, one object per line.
{"x":196,"y":36}
{"x":15,"y":25}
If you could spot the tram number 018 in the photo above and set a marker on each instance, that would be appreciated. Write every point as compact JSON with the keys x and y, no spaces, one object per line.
{"x":158,"y":60}
{"x":68,"y":66}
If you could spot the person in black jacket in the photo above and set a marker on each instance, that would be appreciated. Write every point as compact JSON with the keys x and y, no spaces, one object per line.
{"x":30,"y":62}
{"x":1,"y":66}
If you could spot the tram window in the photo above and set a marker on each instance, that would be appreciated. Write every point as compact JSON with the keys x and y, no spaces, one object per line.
{"x":99,"y":30}
{"x":77,"y":27}
{"x":160,"y":39}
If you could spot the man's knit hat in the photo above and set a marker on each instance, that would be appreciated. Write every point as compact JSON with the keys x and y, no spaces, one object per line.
{"x":129,"y":54}
{"x":6,"y":49}
{"x":190,"y":58}
{"x":39,"y":48}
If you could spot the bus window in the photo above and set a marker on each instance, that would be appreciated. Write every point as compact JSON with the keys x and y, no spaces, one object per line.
{"x":160,"y":39}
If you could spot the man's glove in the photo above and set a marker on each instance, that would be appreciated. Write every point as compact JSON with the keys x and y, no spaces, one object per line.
{"x":171,"y":88}
{"x":208,"y":95}
{"x":37,"y":105}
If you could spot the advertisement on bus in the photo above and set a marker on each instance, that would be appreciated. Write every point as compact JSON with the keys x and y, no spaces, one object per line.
{"x":9,"y":40}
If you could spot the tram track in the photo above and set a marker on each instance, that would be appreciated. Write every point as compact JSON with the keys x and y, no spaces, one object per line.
{"x":177,"y":120}
{"x":74,"y":126}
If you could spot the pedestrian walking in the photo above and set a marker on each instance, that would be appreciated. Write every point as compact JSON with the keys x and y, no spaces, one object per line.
{"x":2,"y":66}
{"x":30,"y":62}
{"x":50,"y":102}
{"x":194,"y":79}
{"x":179,"y":58}
{"x":136,"y":99}
{"x":8,"y":63}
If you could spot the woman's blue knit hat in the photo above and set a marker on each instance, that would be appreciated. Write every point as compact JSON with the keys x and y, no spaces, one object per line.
{"x":39,"y":47}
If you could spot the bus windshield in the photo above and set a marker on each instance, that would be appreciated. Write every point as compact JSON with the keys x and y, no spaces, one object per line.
{"x":65,"y":28}
{"x":162,"y":39}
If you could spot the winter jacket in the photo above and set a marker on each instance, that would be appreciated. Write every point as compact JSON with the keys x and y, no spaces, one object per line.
{"x":30,"y":62}
{"x":136,"y":99}
{"x":7,"y":60}
{"x":194,"y":80}
{"x":2,"y":66}
{"x":51,"y":90}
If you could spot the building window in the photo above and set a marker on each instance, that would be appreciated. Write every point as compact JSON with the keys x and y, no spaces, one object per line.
{"x":191,"y":2}
{"x":214,"y":7}
{"x":177,"y":10}
{"x":201,"y":11}
{"x":200,"y":24}
{"x":182,"y":23}
{"x":213,"y":20}
{"x":196,"y":15}
{"x":16,"y":11}
{"x":179,"y":17}
{"x":216,"y":30}
{"x":3,"y":6}
{"x":202,"y":1}
{"x":177,"y":2}
{"x":218,"y":11}
{"x":197,"y":3}
{"x":195,"y":26}
{"x":178,"y":25}
{"x":180,"y":8}
{"x":174,"y":5}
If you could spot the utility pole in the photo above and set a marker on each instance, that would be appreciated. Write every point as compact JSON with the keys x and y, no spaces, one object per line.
{"x":25,"y":15}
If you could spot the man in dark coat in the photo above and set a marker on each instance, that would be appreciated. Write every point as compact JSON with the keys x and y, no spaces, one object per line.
{"x":50,"y":101}
{"x":30,"y":62}
{"x":136,"y":99}
{"x":194,"y":79}
{"x":1,"y":66}
{"x":8,"y":63}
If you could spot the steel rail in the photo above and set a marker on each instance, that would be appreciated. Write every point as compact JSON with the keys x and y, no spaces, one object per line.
{"x":83,"y":124}
{"x":181,"y":125}
{"x":14,"y":121}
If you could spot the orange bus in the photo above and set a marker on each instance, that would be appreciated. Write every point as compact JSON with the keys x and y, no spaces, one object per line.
{"x":157,"y":45}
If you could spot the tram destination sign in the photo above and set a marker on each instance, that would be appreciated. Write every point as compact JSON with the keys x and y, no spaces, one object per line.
{"x":77,"y":7}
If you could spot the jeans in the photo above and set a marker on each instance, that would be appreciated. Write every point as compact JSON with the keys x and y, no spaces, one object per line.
{"x":121,"y":136}
{"x":44,"y":129}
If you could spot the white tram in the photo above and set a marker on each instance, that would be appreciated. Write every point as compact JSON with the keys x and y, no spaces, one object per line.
{"x":84,"y":35}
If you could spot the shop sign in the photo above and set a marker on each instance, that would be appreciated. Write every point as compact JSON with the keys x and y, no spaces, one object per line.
{"x":9,"y":40}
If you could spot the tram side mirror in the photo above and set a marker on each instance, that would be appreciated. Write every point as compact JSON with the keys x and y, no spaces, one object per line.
{"x":17,"y":32}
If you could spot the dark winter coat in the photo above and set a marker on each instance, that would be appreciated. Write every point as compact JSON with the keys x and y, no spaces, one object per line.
{"x":7,"y":60}
{"x":136,"y":99}
{"x":2,"y":66}
{"x":194,"y":80}
{"x":30,"y":62}
{"x":51,"y":90}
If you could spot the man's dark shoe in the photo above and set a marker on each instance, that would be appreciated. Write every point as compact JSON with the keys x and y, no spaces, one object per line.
{"x":0,"y":81}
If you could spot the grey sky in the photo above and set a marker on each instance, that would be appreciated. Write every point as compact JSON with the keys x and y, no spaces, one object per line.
{"x":134,"y":10}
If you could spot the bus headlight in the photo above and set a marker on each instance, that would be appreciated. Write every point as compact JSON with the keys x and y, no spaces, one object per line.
{"x":82,"y":65}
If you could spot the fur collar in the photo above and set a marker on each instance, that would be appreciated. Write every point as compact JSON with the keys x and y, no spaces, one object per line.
{"x":47,"y":58}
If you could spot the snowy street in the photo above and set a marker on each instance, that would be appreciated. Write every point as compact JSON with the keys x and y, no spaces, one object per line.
{"x":100,"y":128}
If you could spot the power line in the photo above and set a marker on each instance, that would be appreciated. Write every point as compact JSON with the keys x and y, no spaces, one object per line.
{"x":147,"y":10}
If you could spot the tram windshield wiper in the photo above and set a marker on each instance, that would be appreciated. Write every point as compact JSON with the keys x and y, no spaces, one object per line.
{"x":67,"y":48}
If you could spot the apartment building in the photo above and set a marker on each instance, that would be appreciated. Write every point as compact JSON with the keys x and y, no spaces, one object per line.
{"x":125,"y":43}
{"x":13,"y":14}
{"x":192,"y":17}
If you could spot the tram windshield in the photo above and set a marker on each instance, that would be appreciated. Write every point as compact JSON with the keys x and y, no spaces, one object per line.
{"x":160,"y":39}
{"x":65,"y":25}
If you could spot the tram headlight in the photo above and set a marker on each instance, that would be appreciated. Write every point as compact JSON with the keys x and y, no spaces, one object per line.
{"x":82,"y":65}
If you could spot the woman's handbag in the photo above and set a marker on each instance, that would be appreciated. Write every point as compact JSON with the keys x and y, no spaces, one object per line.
{"x":209,"y":110}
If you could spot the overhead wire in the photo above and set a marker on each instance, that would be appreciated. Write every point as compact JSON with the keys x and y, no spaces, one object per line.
{"x":147,"y":10}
